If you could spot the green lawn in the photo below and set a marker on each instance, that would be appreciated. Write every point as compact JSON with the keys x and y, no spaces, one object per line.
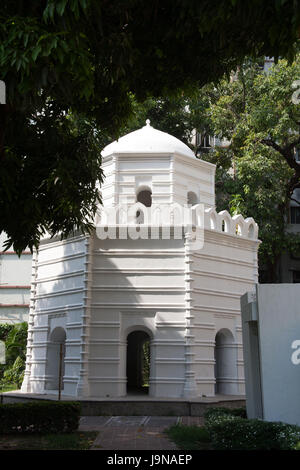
{"x":73,"y":441}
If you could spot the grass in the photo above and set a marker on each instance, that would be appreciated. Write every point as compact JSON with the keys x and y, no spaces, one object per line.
{"x":8,"y":388}
{"x":72,"y":441}
{"x":189,"y":437}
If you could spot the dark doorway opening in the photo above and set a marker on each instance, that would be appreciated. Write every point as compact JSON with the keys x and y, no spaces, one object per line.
{"x":138,"y":362}
{"x":55,"y":359}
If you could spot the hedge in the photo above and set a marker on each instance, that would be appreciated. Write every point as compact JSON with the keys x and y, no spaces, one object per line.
{"x":217,"y":411}
{"x":253,"y":434}
{"x":39,"y":417}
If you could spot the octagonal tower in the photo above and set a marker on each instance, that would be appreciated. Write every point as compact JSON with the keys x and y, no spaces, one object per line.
{"x":141,"y":306}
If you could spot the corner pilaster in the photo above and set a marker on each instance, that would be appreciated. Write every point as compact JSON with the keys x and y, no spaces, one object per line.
{"x":190,"y":387}
{"x":83,"y":382}
{"x":26,"y":386}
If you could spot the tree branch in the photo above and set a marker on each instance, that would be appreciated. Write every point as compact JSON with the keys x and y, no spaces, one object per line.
{"x":286,"y":152}
{"x":295,"y":200}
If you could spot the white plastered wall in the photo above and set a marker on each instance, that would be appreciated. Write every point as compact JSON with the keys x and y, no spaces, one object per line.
{"x":57,"y":300}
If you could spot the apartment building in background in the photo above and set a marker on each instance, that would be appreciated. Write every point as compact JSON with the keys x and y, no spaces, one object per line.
{"x":15,"y":278}
{"x":289,"y":265}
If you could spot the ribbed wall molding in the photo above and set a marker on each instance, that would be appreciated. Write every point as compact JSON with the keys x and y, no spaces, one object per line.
{"x":60,"y":259}
{"x":58,"y":243}
{"x":58,"y":277}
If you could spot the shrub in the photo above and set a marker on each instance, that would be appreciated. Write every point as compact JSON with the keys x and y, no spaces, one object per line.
{"x":216,"y":419}
{"x":215,"y":416}
{"x":15,"y":338}
{"x":253,"y":434}
{"x":189,"y":437}
{"x":5,"y":328}
{"x":39,"y":417}
{"x":240,"y":412}
{"x":16,"y":341}
{"x":15,"y":374}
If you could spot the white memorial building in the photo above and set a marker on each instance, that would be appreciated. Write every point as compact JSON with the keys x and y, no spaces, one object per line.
{"x":144,"y":279}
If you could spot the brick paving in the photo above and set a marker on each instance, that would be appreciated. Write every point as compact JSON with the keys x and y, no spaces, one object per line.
{"x":134,"y":432}
{"x":132,"y":438}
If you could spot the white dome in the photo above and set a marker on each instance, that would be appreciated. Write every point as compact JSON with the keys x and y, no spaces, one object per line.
{"x":148,"y":140}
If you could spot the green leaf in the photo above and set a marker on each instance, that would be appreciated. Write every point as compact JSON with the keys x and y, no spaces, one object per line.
{"x":60,"y":7}
{"x":36,"y":51}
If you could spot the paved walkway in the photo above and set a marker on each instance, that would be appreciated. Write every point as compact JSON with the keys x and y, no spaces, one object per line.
{"x":133,"y":432}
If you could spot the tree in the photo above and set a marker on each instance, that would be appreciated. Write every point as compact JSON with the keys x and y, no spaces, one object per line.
{"x":77,"y":61}
{"x":257,"y":172}
{"x":168,"y":114}
{"x":15,"y":336}
{"x":16,"y":343}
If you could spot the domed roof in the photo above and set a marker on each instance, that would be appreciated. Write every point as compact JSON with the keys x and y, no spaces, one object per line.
{"x":148,"y":140}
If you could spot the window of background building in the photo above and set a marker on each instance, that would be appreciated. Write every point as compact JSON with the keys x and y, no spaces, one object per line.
{"x":203,"y":140}
{"x":295,"y":215}
{"x":296,"y":277}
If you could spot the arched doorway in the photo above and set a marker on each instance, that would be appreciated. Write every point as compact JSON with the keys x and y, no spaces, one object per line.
{"x":55,"y":359}
{"x":138,"y":362}
{"x":225,"y":363}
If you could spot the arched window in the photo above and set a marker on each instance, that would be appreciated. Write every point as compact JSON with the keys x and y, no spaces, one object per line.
{"x":225,"y":225}
{"x":238,"y":230}
{"x":192,"y":198}
{"x":145,"y":197}
{"x":251,"y":231}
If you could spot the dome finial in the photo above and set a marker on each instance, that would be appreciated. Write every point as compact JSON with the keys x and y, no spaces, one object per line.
{"x":148,"y":122}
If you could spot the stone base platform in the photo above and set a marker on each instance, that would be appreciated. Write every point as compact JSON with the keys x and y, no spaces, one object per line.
{"x":135,"y":405}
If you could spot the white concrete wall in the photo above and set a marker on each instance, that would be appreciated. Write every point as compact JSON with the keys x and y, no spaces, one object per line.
{"x":137,"y":285}
{"x":197,"y":176}
{"x":170,"y":178}
{"x":222,"y":271}
{"x":101,"y":290}
{"x":15,"y":275}
{"x":272,"y":352}
{"x":57,"y":300}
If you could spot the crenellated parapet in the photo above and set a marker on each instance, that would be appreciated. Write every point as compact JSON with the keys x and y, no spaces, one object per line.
{"x":236,"y":225}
